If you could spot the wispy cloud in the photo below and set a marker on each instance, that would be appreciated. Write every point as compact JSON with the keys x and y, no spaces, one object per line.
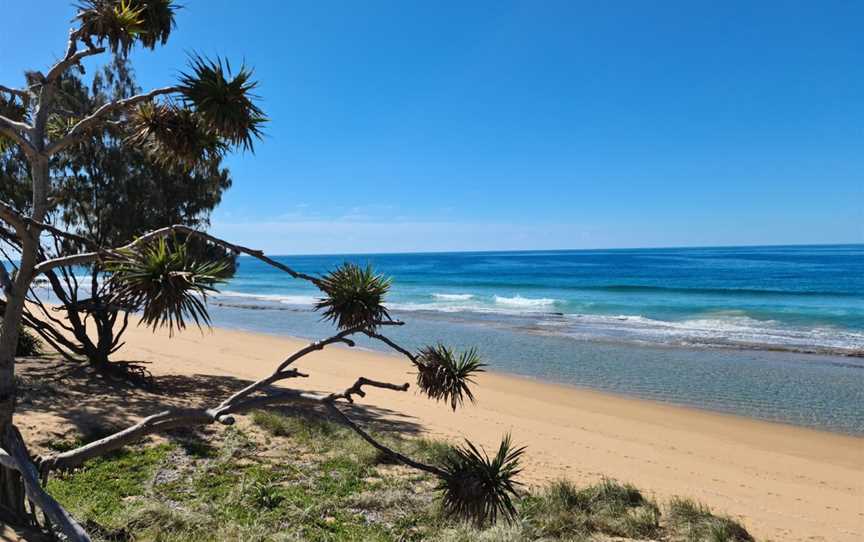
{"x":358,"y":233}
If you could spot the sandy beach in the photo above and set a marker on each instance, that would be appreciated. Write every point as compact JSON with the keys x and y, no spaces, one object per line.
{"x":784,"y":482}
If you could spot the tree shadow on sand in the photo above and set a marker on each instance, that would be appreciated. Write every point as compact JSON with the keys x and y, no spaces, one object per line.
{"x":67,"y":401}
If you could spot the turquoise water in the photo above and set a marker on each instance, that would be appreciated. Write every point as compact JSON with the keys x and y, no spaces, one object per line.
{"x":774,"y":333}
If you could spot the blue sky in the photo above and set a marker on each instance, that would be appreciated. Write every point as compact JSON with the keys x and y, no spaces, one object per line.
{"x":415,"y":126}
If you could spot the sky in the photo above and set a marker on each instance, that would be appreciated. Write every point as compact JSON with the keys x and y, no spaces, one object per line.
{"x":428,"y":126}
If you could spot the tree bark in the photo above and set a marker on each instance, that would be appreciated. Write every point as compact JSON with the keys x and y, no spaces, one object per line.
{"x":12,"y":494}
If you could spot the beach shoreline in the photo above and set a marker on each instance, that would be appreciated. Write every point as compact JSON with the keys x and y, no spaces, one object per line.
{"x":785,"y":482}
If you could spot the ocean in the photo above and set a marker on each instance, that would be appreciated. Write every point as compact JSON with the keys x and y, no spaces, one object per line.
{"x":774,"y":333}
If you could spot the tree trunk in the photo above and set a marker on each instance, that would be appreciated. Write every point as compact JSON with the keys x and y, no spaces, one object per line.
{"x":12,"y":497}
{"x":96,"y":349}
{"x":11,"y":487}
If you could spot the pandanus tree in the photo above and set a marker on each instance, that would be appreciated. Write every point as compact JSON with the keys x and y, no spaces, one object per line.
{"x":108,"y":192}
{"x":210,"y":111}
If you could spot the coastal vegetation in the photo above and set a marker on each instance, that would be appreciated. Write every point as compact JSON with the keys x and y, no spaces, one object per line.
{"x":107,"y":193}
{"x":301,"y":476}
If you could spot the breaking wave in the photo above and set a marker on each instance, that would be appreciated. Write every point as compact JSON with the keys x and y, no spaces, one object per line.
{"x":729,"y":331}
{"x":453,"y":297}
{"x":519,"y":301}
{"x":272,"y":298}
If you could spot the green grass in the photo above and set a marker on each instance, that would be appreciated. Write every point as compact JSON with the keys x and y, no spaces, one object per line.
{"x":694,"y":522}
{"x":101,"y":490}
{"x":306,"y":478}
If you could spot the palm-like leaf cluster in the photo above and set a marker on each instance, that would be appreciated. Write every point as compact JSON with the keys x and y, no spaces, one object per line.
{"x":165,"y":283}
{"x":59,"y":125}
{"x":173,"y":135}
{"x":477,"y":487}
{"x":223,"y":100}
{"x":121,"y":23}
{"x":445,"y":376}
{"x":354,"y":296}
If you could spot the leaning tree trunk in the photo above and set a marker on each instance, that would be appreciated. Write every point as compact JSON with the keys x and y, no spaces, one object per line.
{"x":73,"y":339}
{"x":98,"y":352}
{"x":12,"y":497}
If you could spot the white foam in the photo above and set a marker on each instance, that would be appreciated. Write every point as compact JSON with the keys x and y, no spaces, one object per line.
{"x":277,"y":298}
{"x":453,"y":297}
{"x":519,"y":301}
{"x":723,"y":331}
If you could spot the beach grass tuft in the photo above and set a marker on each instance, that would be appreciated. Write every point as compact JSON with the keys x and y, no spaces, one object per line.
{"x":694,"y":522}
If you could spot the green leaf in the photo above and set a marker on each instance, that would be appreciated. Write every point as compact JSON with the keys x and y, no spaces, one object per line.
{"x":479,"y":488}
{"x":122,"y":23}
{"x":167,"y":285}
{"x":354,"y":296}
{"x":173,"y":135}
{"x":225,"y":101}
{"x":445,"y":376}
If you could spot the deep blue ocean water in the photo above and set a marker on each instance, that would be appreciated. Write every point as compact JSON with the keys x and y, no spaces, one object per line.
{"x":774,"y":333}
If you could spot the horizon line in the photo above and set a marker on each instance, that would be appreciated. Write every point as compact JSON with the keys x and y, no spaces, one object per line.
{"x":498,"y":251}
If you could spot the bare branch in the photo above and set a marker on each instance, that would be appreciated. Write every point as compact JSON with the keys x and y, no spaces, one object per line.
{"x":357,"y":389}
{"x":319,"y":345}
{"x":73,"y":56}
{"x":329,"y":401}
{"x":389,"y":342}
{"x":16,"y":124}
{"x":70,"y":60}
{"x":99,"y":115}
{"x":58,"y":232}
{"x":168,"y":419}
{"x":12,"y":129}
{"x":281,"y":371}
{"x":34,"y":298}
{"x":16,"y":457}
{"x":238,"y":402}
{"x":90,"y":257}
{"x":116,"y":344}
{"x":382,"y":448}
{"x":12,"y":217}
{"x":14,"y":92}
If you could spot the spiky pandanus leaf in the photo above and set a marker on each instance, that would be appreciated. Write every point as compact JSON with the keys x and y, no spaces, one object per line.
{"x":59,"y":125}
{"x":225,"y":101}
{"x":165,"y":283}
{"x":121,"y":23}
{"x":354,"y":296}
{"x":445,"y":376}
{"x":479,"y":488}
{"x":158,"y":20}
{"x":173,"y":135}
